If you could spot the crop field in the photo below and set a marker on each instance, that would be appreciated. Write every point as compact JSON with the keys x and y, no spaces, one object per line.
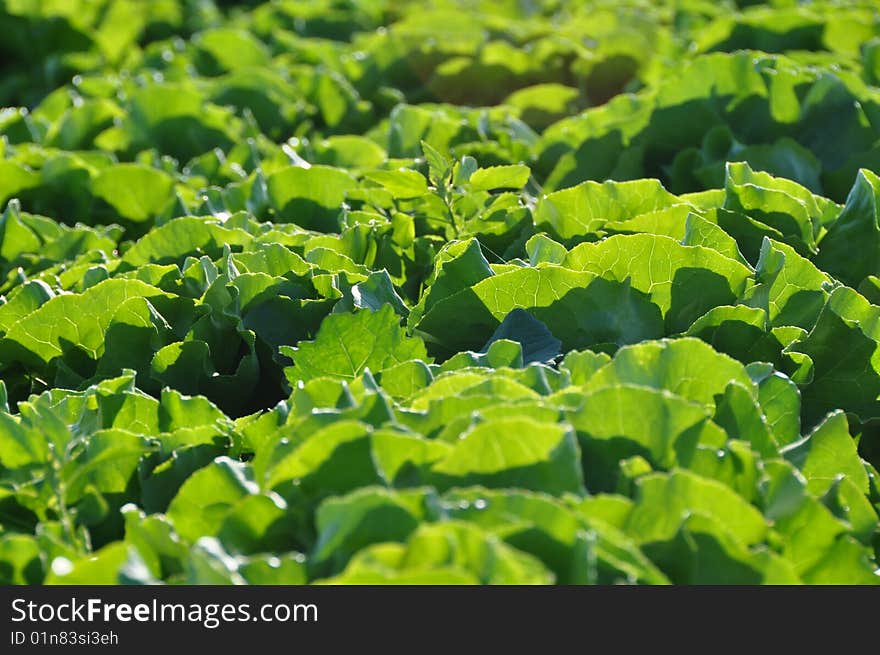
{"x":439,"y":292}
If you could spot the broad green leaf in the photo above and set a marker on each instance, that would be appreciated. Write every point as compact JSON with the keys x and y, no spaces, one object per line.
{"x":738,"y":331}
{"x":347,"y":344}
{"x":27,"y":298}
{"x":578,"y":308}
{"x":687,"y":367}
{"x":705,"y":552}
{"x":138,"y":193}
{"x":207,"y":496}
{"x":621,"y":421}
{"x":257,"y":523}
{"x":459,"y":265}
{"x":373,"y":293}
{"x":701,"y":232}
{"x":683,"y":281}
{"x":438,"y":164}
{"x":233,"y":48}
{"x":70,"y":321}
{"x":350,"y":151}
{"x":542,"y":526}
{"x":848,"y":251}
{"x":335,"y":459}
{"x":189,"y":235}
{"x":154,"y":539}
{"x":310,"y":197}
{"x":780,"y":402}
{"x":499,"y":177}
{"x":846,"y":562}
{"x":456,"y":549}
{"x":842,"y":348}
{"x":789,"y":287}
{"x":582,"y":364}
{"x":287,"y":569}
{"x":542,"y":249}
{"x":20,"y":560}
{"x":580,"y":210}
{"x":402,"y":459}
{"x":826,"y":453}
{"x":104,"y":567}
{"x":15,"y":179}
{"x":739,"y":413}
{"x":537,"y":342}
{"x":542,"y":104}
{"x":514,"y":453}
{"x":209,"y":563}
{"x":402,"y":183}
{"x":347,"y":524}
{"x":777,"y":202}
{"x":406,"y":378}
{"x":663,"y":503}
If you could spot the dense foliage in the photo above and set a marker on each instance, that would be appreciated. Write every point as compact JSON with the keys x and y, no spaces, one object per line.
{"x":439,"y":292}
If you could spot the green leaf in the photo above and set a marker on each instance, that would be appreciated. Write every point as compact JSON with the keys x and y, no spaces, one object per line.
{"x":350,"y":151}
{"x":138,"y":193}
{"x":581,"y":365}
{"x":335,"y":459}
{"x":347,"y":524}
{"x":257,"y":523}
{"x":683,"y":281}
{"x":438,"y":164}
{"x":578,"y":308}
{"x":543,"y":104}
{"x":233,"y":48}
{"x":104,"y":567}
{"x":842,"y":348}
{"x":458,"y":265}
{"x":701,"y":232}
{"x":403,"y":459}
{"x":450,"y":553}
{"x":780,"y":402}
{"x":209,"y":563}
{"x":27,"y":298}
{"x":538,"y":343}
{"x":20,"y":560}
{"x":310,"y":197}
{"x":207,"y":496}
{"x":348,"y":344}
{"x":663,"y":502}
{"x":287,"y":569}
{"x":704,"y":551}
{"x":542,"y":249}
{"x":70,"y":321}
{"x":777,"y":202}
{"x":404,"y":379}
{"x":788,"y":303}
{"x":171,"y":242}
{"x":463,"y":170}
{"x":583,"y":209}
{"x":738,"y":331}
{"x":373,"y":293}
{"x":687,"y":367}
{"x":15,"y":179}
{"x":499,"y":177}
{"x":847,"y":562}
{"x":622,"y":421}
{"x":827,"y":453}
{"x":739,"y":413}
{"x":849,"y":250}
{"x":514,"y":452}
{"x":402,"y":183}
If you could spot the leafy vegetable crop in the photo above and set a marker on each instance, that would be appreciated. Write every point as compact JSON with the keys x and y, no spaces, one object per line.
{"x":412,"y":292}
